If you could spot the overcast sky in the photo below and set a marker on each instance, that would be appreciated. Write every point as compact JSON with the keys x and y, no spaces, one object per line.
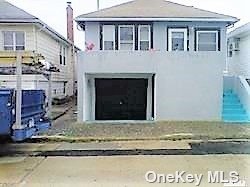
{"x":53,"y":12}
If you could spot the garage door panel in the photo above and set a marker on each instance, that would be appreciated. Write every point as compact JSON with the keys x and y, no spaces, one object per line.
{"x":121,"y":99}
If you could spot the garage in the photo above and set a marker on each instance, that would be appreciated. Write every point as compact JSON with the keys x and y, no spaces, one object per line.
{"x":121,"y":99}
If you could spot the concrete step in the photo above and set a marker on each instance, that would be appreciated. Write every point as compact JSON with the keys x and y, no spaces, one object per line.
{"x":230,"y":105}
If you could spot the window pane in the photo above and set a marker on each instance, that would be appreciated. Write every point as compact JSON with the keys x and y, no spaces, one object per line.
{"x":207,"y":38}
{"x":108,"y":32}
{"x":126,"y":33}
{"x":126,"y":46}
{"x":177,"y":41}
{"x":207,"y":41}
{"x":207,"y":47}
{"x":144,"y":45}
{"x":8,"y":38}
{"x":178,"y":35}
{"x":144,"y":33}
{"x":20,"y":38}
{"x":108,"y":45}
{"x":20,"y":48}
{"x":8,"y":48}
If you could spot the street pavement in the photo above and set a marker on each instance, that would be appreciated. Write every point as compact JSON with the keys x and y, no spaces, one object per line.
{"x":23,"y":165}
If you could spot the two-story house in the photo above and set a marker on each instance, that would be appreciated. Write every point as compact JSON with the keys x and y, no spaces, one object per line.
{"x":20,"y":30}
{"x":152,"y":60}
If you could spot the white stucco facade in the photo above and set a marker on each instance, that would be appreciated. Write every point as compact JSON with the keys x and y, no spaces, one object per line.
{"x":188,"y":84}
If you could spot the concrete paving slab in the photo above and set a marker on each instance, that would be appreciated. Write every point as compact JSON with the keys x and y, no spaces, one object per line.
{"x":131,"y":170}
{"x":125,"y":145}
{"x":154,"y":145}
{"x":14,"y":172}
{"x":89,"y":146}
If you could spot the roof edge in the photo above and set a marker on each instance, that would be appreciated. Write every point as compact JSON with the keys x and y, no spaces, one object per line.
{"x":240,"y":30}
{"x":231,"y":20}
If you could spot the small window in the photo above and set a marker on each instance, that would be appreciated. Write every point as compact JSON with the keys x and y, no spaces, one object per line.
{"x":14,"y":40}
{"x":207,"y":41}
{"x":64,"y":56}
{"x":230,"y":50}
{"x":144,"y":37}
{"x":126,"y":37}
{"x":64,"y":87}
{"x":177,"y":39}
{"x":108,"y":37}
{"x":61,"y":55}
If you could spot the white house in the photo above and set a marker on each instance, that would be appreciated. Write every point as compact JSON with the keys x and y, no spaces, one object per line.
{"x":20,"y":30}
{"x":238,"y":65}
{"x":152,"y":60}
{"x":238,"y":51}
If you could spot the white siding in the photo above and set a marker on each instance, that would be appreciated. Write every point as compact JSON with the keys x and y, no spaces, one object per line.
{"x":239,"y":63}
{"x":36,"y":39}
{"x":29,"y":35}
{"x":50,"y":48}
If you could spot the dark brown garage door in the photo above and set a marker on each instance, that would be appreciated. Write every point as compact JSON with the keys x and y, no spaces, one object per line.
{"x":121,"y":99}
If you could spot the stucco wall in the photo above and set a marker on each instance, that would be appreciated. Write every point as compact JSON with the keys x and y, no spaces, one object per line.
{"x":188,"y":85}
{"x":92,"y":33}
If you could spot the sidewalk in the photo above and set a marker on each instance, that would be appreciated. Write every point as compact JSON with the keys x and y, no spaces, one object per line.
{"x":60,"y":110}
{"x":67,"y":129}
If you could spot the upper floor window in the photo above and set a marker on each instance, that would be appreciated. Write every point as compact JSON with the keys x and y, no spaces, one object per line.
{"x":126,"y":37}
{"x":14,"y":40}
{"x":62,"y":55}
{"x":207,"y":41}
{"x":177,"y":39}
{"x":108,"y":37}
{"x":144,"y":38}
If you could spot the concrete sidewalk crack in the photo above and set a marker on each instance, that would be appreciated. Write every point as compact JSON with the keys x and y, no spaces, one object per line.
{"x":22,"y":181}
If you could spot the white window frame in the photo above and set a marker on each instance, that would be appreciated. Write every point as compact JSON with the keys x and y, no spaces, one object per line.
{"x":184,"y":31}
{"x":119,"y":34}
{"x":139,"y":37}
{"x":14,"y":40}
{"x":103,"y":37}
{"x":207,"y":31}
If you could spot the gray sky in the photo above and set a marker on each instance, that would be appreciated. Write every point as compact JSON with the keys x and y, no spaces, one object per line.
{"x":53,"y":12}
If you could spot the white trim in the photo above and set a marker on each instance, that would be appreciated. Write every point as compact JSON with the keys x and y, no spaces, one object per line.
{"x":170,"y":31}
{"x":119,"y":41}
{"x":232,"y":20}
{"x":207,"y":31}
{"x":103,"y":46}
{"x":139,"y":36}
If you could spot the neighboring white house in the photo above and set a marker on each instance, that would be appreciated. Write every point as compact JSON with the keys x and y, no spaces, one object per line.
{"x":239,"y":51}
{"x":21,"y":31}
{"x":152,"y":60}
{"x":238,"y":65}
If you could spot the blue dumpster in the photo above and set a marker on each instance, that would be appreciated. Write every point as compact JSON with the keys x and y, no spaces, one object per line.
{"x":33,"y":116}
{"x":6,"y":111}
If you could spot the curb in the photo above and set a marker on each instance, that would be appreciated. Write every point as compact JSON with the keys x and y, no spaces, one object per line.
{"x":110,"y":139}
